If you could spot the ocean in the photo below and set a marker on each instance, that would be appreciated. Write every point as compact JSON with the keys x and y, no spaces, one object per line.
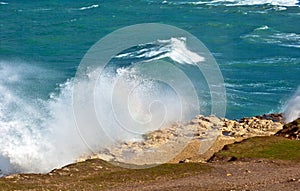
{"x":255,"y":44}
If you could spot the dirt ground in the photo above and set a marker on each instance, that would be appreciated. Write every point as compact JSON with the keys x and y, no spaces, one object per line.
{"x":222,"y":172}
{"x":249,"y":175}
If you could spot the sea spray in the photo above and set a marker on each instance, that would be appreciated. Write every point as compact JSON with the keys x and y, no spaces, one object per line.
{"x":292,"y":107}
{"x":39,"y":134}
{"x":34,"y":131}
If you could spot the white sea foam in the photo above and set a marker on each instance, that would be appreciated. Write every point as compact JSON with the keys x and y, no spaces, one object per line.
{"x":262,"y":28}
{"x":3,"y":3}
{"x":262,"y":35}
{"x":31,"y":129}
{"x":271,"y":2}
{"x":287,"y":39}
{"x":174,"y":48}
{"x":89,"y":7}
{"x":284,"y":3}
{"x":292,"y":107}
{"x":291,"y":45}
{"x":38,"y":135}
{"x":180,"y":53}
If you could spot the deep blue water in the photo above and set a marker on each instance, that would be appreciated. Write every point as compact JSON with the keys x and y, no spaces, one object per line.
{"x":256,"y":46}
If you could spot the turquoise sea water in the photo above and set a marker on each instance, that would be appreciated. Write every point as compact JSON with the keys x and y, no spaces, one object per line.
{"x":255,"y":43}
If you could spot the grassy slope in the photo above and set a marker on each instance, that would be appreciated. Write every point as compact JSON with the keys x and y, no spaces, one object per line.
{"x":96,"y":175}
{"x":264,"y":147}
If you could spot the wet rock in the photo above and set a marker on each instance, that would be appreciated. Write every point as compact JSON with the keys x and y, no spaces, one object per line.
{"x":291,"y":130}
{"x":275,"y":117}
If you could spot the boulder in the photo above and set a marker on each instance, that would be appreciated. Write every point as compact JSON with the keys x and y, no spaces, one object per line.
{"x":291,"y":130}
{"x":275,"y":117}
{"x":196,"y":141}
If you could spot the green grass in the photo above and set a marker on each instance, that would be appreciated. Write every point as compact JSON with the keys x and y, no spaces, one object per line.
{"x":86,"y":176}
{"x":96,"y":174}
{"x":264,"y":147}
{"x":168,"y":171}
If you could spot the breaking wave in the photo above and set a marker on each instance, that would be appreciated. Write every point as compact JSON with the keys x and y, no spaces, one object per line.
{"x":39,"y":134}
{"x":292,"y":107}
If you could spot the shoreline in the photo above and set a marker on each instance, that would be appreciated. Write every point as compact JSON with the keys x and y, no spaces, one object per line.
{"x":195,"y":141}
{"x":217,"y":171}
{"x":228,"y":132}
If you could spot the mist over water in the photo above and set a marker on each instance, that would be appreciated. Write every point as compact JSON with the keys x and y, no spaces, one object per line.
{"x":292,"y":107}
{"x":39,"y":134}
{"x":34,"y":132}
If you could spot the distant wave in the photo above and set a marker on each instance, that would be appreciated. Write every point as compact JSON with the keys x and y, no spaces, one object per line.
{"x":262,"y":28}
{"x":292,"y":107}
{"x":262,"y":2}
{"x":89,"y":7}
{"x":267,"y":35}
{"x":174,"y":48}
{"x":238,"y":2}
{"x":3,"y":3}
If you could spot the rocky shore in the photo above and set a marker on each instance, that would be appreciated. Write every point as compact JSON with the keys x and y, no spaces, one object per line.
{"x":264,"y":150}
{"x":291,"y":130}
{"x":195,"y":141}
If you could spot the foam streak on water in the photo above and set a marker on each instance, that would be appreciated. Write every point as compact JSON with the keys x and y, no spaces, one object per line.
{"x":89,"y":7}
{"x":240,"y":2}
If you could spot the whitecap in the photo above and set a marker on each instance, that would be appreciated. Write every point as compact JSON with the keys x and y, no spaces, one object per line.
{"x":180,"y":53}
{"x":265,"y":27}
{"x":280,"y":8}
{"x":262,"y":35}
{"x":291,"y":45}
{"x":270,"y":2}
{"x":281,"y":3}
{"x":89,"y":7}
{"x":174,"y":48}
